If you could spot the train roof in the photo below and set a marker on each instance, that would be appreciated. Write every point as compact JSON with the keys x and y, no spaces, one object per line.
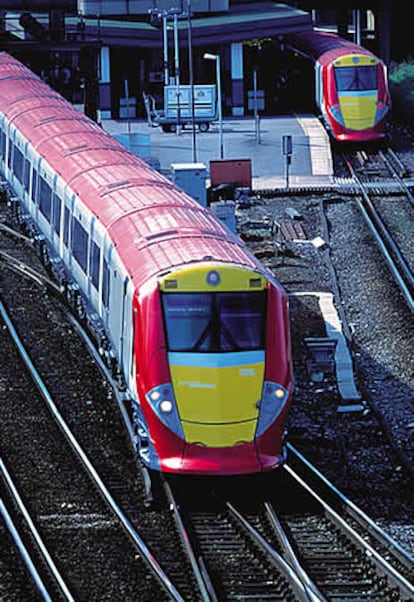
{"x":154,"y":225}
{"x":324,"y":46}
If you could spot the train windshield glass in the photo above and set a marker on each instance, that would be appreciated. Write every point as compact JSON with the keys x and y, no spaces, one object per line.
{"x":215,"y":322}
{"x":356,"y":79}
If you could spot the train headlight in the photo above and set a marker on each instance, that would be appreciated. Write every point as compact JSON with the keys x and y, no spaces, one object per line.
{"x":166,"y":406}
{"x":279,"y":393}
{"x":162,"y":401}
{"x":382,"y":110}
{"x":274,"y":398}
{"x":336,"y":113}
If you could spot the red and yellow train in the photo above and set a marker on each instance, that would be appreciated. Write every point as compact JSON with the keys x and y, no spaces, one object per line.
{"x":350,"y":85}
{"x":196,"y":327}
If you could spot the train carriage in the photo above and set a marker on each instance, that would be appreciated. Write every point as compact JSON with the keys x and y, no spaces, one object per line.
{"x":192,"y":324}
{"x":350,"y":85}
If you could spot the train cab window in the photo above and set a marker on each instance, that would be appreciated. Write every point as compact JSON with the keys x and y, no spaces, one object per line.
{"x":356,"y":79}
{"x":80,"y":244}
{"x":45,"y":198}
{"x":94,"y":264}
{"x":215,"y":322}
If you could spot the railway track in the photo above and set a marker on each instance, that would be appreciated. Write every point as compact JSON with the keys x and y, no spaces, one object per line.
{"x":237,"y":551}
{"x":64,"y":472}
{"x":209,"y":570}
{"x":298,"y":540}
{"x":234,"y":561}
{"x":388,"y":208}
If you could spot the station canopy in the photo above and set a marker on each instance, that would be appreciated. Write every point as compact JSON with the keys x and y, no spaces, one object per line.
{"x":247,"y":21}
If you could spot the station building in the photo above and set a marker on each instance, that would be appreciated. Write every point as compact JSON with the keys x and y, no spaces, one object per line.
{"x":107,"y":54}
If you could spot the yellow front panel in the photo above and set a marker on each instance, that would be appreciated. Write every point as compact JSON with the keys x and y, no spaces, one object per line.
{"x":358,"y":111}
{"x":212,"y":277}
{"x":224,"y":435}
{"x":217,"y":403}
{"x":351,"y":60}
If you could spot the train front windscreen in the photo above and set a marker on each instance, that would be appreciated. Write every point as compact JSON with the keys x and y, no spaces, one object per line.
{"x":356,"y":78}
{"x":215,"y":322}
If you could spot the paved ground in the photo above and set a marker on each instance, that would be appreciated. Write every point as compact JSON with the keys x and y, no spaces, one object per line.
{"x":311,"y":161}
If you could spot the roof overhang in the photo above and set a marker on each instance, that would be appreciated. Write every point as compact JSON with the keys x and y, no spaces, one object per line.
{"x":243,"y":22}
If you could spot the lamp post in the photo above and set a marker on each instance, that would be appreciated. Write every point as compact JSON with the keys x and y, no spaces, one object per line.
{"x":191,"y":70}
{"x":216,"y":57}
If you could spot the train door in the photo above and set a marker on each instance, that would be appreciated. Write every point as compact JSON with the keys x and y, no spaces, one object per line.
{"x":105,"y":284}
{"x":127,"y":329}
{"x":57,"y":202}
{"x":95,"y":264}
{"x":115,"y":309}
{"x":67,"y":212}
{"x":318,"y":86}
{"x":26,"y":174}
{"x":2,"y":144}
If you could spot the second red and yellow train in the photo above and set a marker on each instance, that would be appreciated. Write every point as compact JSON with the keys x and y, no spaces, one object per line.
{"x":349,"y":85}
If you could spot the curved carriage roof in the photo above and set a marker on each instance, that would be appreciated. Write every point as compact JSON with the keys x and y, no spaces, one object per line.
{"x":154,"y":225}
{"x":324,"y":46}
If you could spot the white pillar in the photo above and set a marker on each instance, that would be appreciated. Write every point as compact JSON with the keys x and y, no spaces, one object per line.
{"x":356,"y":16}
{"x":104,"y":111}
{"x":237,"y":87}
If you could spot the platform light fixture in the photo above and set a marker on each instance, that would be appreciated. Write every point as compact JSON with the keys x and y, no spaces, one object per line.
{"x":216,"y":57}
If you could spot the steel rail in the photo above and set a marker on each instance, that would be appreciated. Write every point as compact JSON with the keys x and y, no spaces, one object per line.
{"x":296,"y":578}
{"x":144,"y":551}
{"x":397,"y":176}
{"x":37,"y":538}
{"x":399,"y":580}
{"x":203,"y":580}
{"x":403,"y":274}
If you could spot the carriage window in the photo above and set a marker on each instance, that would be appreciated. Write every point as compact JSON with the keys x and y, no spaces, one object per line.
{"x":34,"y":185}
{"x":94,"y":264}
{"x":9,"y":158}
{"x":18,"y":164}
{"x":80,"y":244}
{"x":356,"y":79}
{"x":45,"y":198}
{"x":2,"y":144}
{"x":215,"y":322}
{"x":105,"y":284}
{"x":26,"y":175}
{"x":66,"y":222}
{"x":57,"y":211}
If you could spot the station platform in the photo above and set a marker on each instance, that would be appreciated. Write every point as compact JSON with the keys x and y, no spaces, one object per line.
{"x":261,"y":141}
